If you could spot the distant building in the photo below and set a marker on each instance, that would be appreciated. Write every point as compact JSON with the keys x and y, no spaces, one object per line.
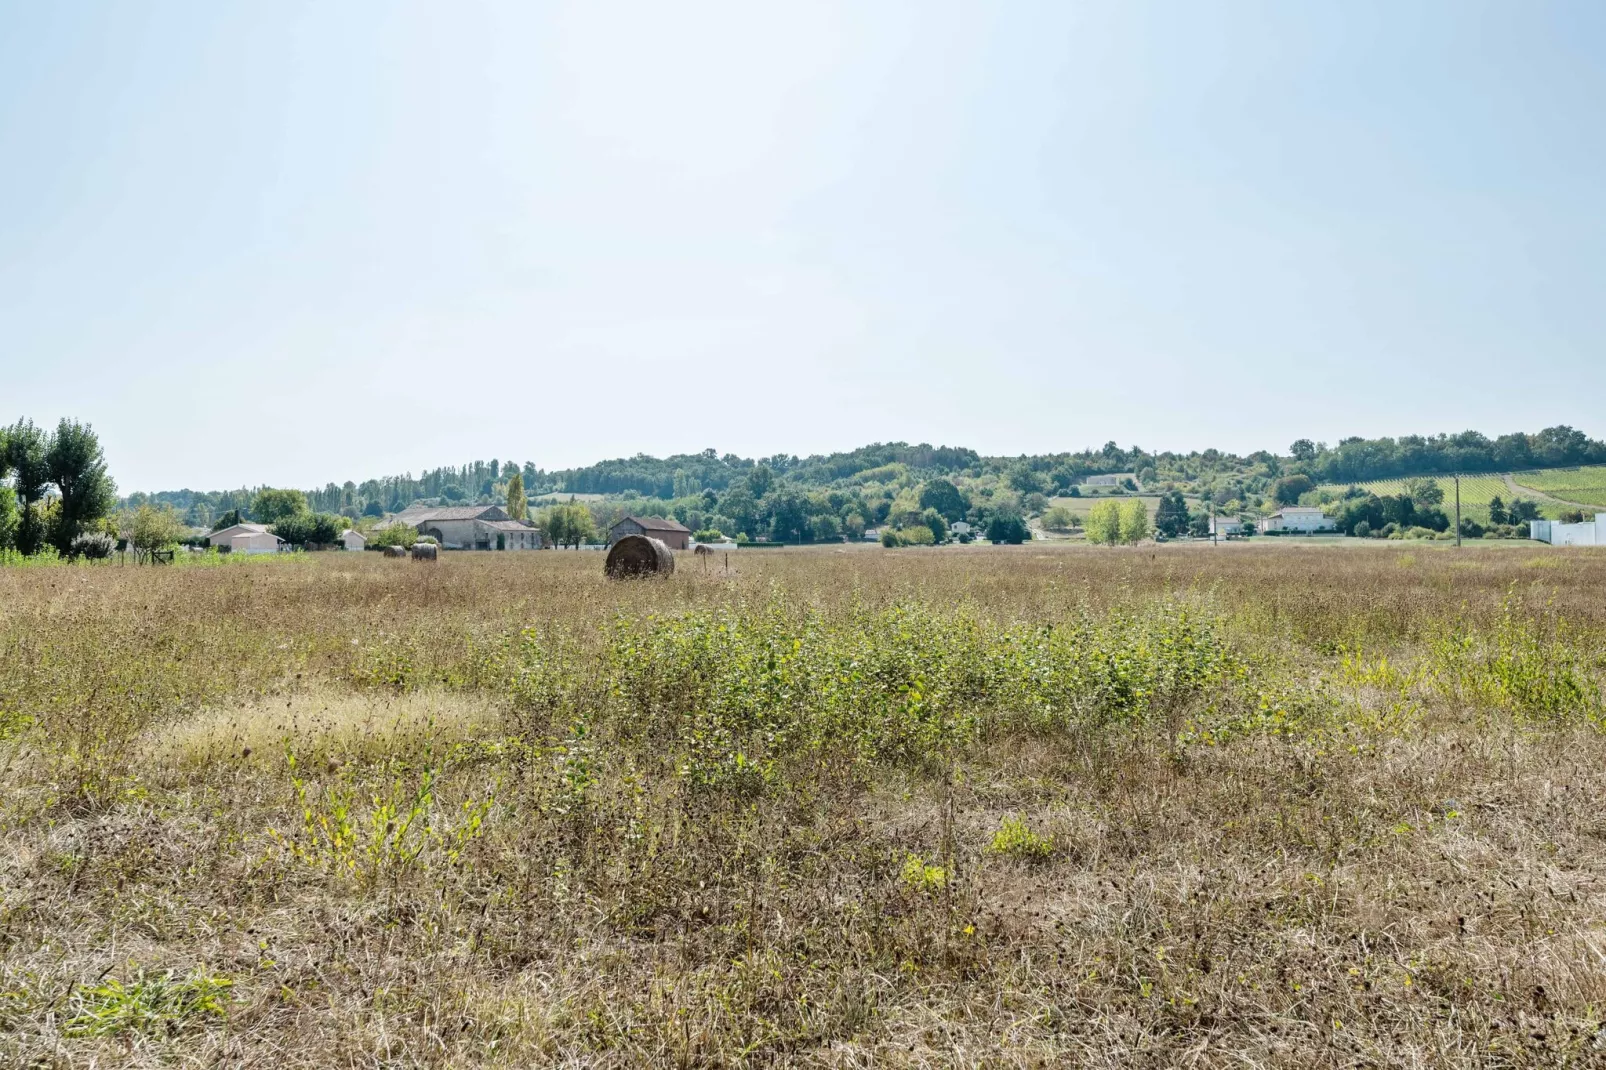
{"x":1302,"y":520}
{"x":471,"y":527}
{"x":671,"y":534}
{"x":256,"y":542}
{"x":959,"y":527}
{"x":223,"y":538}
{"x":1589,"y":533}
{"x":1225,"y":526}
{"x":1102,"y":481}
{"x":354,"y":539}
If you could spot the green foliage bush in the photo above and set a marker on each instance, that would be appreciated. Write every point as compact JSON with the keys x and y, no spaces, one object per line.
{"x":1007,"y":526}
{"x":1017,"y":840}
{"x":302,"y":529}
{"x":732,"y":690}
{"x":394,"y":535}
{"x":1059,"y":518}
{"x":92,"y":546}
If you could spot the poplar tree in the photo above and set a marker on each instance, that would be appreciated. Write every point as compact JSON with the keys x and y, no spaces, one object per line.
{"x":517,"y":507}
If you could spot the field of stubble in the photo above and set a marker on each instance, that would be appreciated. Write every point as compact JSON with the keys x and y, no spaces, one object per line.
{"x":1174,"y":806}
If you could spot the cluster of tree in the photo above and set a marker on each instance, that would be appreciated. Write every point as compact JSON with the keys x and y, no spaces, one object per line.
{"x":1173,"y":519}
{"x":1115,"y":522}
{"x":1373,"y":513}
{"x":570,"y":524}
{"x":1518,"y":512}
{"x":54,"y":488}
{"x":1059,"y":518}
{"x":1357,"y":460}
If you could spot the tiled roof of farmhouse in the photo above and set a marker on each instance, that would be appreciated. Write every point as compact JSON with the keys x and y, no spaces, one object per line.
{"x":655,"y":523}
{"x":424,"y":515}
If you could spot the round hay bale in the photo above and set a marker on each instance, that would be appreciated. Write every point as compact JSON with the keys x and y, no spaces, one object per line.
{"x":704,"y":550}
{"x":639,"y":555}
{"x":424,"y":551}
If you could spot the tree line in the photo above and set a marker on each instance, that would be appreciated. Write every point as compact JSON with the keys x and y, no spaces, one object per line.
{"x":1360,"y":460}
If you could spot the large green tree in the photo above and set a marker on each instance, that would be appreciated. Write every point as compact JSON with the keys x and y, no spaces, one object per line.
{"x":27,"y":457}
{"x":1007,"y":526}
{"x":272,"y":505}
{"x":1171,"y":517}
{"x":1103,"y":524}
{"x":76,"y":464}
{"x":1286,"y":491}
{"x":943,"y":496}
{"x":153,"y":528}
{"x":299,"y":529}
{"x":1134,"y":521}
{"x":759,"y":481}
{"x":570,"y":525}
{"x":8,"y":517}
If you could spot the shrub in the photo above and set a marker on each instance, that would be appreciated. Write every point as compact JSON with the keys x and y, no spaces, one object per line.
{"x":151,"y":1003}
{"x":1016,"y":839}
{"x":155,"y":528}
{"x":92,"y":545}
{"x":300,"y":529}
{"x":919,"y":877}
{"x":1059,"y":518}
{"x":1006,"y":526}
{"x":394,"y":535}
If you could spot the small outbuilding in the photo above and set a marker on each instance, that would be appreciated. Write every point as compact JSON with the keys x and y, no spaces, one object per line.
{"x":354,"y":539}
{"x":674,"y":535}
{"x":256,"y":542}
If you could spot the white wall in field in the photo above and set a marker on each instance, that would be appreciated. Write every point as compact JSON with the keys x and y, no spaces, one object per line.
{"x":1589,"y":533}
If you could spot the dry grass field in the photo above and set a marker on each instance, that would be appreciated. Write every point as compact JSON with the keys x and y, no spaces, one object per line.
{"x":1268,"y":806}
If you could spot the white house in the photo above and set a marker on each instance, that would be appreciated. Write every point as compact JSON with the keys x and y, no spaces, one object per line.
{"x":1298,"y":519}
{"x":1224,"y":526}
{"x":959,"y":527}
{"x":256,"y":542}
{"x":1102,"y":481}
{"x":1589,"y":533}
{"x":354,"y":539}
{"x":223,"y":539}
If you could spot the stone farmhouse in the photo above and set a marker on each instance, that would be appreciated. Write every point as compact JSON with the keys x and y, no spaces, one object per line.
{"x":471,"y":527}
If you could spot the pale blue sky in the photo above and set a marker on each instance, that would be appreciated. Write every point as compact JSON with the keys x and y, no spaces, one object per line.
{"x":289,"y":243}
